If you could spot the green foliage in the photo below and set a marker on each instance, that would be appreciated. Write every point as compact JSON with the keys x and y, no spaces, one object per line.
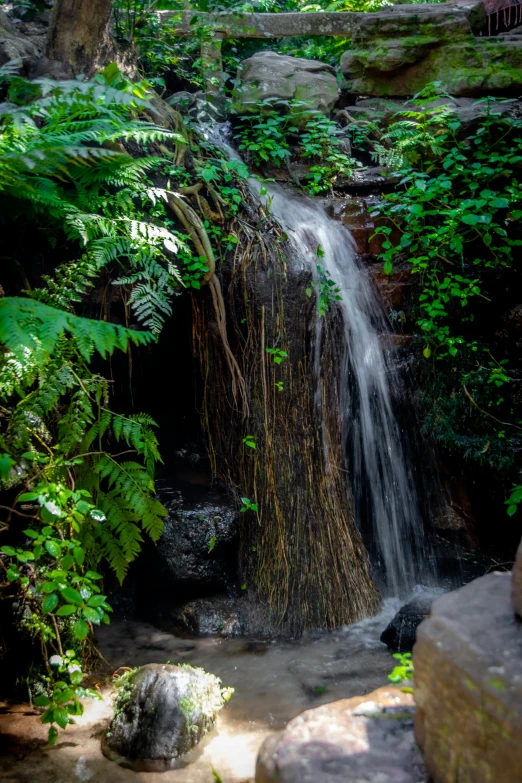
{"x":249,"y":442}
{"x":328,"y":290}
{"x":404,"y":669}
{"x":458,"y":211}
{"x":63,"y":159}
{"x":248,"y":505}
{"x":277,"y":355}
{"x":30,"y":326}
{"x":514,"y":500}
{"x":275,"y":136}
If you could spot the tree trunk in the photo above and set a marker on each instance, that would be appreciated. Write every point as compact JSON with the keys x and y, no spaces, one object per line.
{"x":79,"y":34}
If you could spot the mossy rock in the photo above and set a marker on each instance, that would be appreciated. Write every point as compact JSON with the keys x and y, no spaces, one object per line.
{"x":161,"y":713}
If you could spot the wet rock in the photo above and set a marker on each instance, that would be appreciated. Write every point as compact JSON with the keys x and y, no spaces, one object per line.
{"x":468,"y":685}
{"x":516,"y":583}
{"x":197,"y":551}
{"x":359,"y":740}
{"x":401,"y":49}
{"x":282,"y":78}
{"x":217,"y":616}
{"x":400,"y":634}
{"x":161,"y":712}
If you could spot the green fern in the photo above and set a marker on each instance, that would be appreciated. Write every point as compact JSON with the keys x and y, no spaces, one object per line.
{"x":27,"y":323}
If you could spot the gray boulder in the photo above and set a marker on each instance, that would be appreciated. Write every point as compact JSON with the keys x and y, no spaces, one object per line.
{"x":400,"y":634}
{"x":161,"y":712}
{"x":267,"y":75}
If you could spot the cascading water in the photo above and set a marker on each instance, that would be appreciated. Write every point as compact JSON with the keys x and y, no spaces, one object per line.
{"x":382,"y":483}
{"x":383,"y":486}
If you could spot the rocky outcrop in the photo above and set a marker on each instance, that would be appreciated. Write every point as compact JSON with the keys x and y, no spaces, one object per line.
{"x":399,"y":50}
{"x":359,"y":740}
{"x":400,"y":633}
{"x":268,"y":75}
{"x":468,"y":685}
{"x":13,"y":44}
{"x":161,"y":712}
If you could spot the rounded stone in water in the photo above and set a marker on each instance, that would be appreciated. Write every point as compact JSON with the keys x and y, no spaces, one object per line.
{"x":161,"y":713}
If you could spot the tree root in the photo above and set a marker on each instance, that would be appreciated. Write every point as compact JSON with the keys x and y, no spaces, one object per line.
{"x":197,"y":232}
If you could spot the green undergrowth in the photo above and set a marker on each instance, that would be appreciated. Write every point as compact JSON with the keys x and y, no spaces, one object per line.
{"x":455,"y":220}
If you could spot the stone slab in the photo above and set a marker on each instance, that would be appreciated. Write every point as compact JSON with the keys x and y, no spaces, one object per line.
{"x":468,"y":685}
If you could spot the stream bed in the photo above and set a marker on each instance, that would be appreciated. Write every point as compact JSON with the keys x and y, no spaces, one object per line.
{"x":273,"y":682}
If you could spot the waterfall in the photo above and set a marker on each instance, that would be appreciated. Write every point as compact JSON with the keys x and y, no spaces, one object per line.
{"x":383,"y":487}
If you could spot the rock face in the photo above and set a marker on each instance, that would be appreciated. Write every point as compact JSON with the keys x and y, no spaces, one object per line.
{"x":270,"y":75}
{"x":13,"y":44}
{"x":160,"y":714}
{"x":197,"y":551}
{"x":468,"y":685}
{"x":361,"y":740}
{"x":516,"y":583}
{"x":216,"y":616}
{"x":401,"y":632}
{"x":401,"y":49}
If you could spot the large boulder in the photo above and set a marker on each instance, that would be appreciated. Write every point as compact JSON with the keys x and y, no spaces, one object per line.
{"x":468,"y":685}
{"x":161,"y":712}
{"x":401,"y":49}
{"x":400,"y":633}
{"x":360,"y":740}
{"x":267,"y":75}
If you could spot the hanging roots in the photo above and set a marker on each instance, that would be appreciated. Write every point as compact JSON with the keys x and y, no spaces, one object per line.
{"x":197,"y":232}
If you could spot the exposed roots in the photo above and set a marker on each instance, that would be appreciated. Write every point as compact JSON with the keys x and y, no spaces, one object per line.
{"x":198,"y":234}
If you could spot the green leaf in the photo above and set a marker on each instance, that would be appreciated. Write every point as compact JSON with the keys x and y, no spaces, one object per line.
{"x":80,"y":629}
{"x":387,"y":268}
{"x":72,"y":595}
{"x":52,"y":735}
{"x":66,"y":610}
{"x":92,"y":575}
{"x":41,"y":700}
{"x":8,"y":550}
{"x":49,"y":603}
{"x":91,"y":614}
{"x":96,"y":600}
{"x":426,"y":352}
{"x":79,"y":555}
{"x":28,"y":496}
{"x":67,"y":562}
{"x":76,"y":677}
{"x":54,"y":548}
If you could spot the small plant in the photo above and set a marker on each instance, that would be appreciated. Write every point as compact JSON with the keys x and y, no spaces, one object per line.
{"x":328,"y":290}
{"x":277,"y":354}
{"x":403,"y":671}
{"x":212,"y":544}
{"x":248,"y":505}
{"x":514,"y":500}
{"x":249,"y":441}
